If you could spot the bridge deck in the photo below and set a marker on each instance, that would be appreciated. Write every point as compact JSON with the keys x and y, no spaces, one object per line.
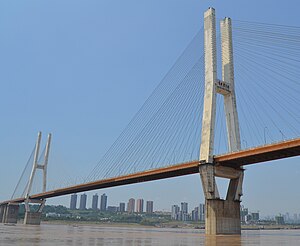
{"x":236,"y":159}
{"x":259,"y":154}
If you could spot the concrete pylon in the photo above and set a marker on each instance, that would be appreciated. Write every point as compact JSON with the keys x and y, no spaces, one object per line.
{"x":34,"y":217}
{"x":222,"y":216}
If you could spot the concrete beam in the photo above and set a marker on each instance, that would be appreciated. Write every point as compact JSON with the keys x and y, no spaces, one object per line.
{"x":227,"y":172}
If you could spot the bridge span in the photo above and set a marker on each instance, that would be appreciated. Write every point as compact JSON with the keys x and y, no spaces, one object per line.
{"x":234,"y":160}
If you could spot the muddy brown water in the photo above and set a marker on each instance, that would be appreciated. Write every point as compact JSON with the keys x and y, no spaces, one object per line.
{"x":94,"y":235}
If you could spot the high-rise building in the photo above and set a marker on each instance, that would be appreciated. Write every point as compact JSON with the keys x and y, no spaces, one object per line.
{"x":149,"y":207}
{"x":130,"y":205}
{"x":103,"y":202}
{"x":255,"y":216}
{"x":73,"y":201}
{"x":183,"y":216}
{"x":295,"y":218}
{"x":174,"y":212}
{"x":122,"y":207}
{"x":95,"y":202}
{"x":140,"y":205}
{"x":82,"y":205}
{"x":195,"y":214}
{"x":198,"y":214}
{"x":202,"y":212}
{"x":244,"y":212}
{"x":184,"y":207}
{"x":287,"y":217}
{"x":279,"y":220}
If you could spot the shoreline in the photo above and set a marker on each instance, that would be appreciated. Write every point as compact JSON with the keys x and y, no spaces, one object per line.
{"x":171,"y":226}
{"x":95,"y":223}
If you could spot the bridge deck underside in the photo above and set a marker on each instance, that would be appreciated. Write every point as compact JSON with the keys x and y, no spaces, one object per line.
{"x":237,"y":159}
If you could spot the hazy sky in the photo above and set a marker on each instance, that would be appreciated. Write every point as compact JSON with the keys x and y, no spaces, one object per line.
{"x":81,"y":69}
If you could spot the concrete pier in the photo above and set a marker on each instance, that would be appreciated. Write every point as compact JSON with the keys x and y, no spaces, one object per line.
{"x":32,"y":218}
{"x":10,"y":214}
{"x":222,"y":217}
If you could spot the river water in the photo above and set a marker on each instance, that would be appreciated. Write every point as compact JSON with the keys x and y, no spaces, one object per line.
{"x":94,"y":235}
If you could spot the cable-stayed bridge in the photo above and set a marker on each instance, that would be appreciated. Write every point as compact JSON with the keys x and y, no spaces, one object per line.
{"x":235,"y":93}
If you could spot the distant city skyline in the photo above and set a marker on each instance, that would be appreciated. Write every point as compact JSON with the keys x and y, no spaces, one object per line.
{"x":132,"y":204}
{"x":195,"y":212}
{"x":178,"y":211}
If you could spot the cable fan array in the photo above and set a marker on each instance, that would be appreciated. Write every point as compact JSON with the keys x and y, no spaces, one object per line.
{"x":167,"y":129}
{"x":22,"y":184}
{"x":267,"y":72}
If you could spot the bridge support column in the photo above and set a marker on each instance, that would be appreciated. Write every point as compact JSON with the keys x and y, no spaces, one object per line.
{"x":221,"y":216}
{"x":32,"y":218}
{"x":10,"y":213}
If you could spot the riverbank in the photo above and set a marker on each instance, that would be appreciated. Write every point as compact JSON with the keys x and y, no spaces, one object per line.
{"x":93,"y":223}
{"x":179,"y":225}
{"x":270,"y":227}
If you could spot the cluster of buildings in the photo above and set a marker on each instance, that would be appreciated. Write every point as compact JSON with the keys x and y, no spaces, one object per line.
{"x":139,"y":208}
{"x":179,"y":213}
{"x":182,"y":213}
{"x":291,"y":219}
{"x":281,"y":219}
{"x":83,"y":201}
{"x":286,"y":218}
{"x":247,"y":217}
{"x":198,"y":214}
{"x":132,"y":205}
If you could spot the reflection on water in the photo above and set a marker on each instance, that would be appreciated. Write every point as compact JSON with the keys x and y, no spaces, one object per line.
{"x":227,"y":240}
{"x":94,"y":235}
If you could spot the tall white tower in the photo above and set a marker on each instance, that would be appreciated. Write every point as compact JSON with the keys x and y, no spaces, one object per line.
{"x":219,"y":220}
{"x":34,"y":217}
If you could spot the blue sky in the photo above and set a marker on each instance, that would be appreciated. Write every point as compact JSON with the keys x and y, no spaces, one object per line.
{"x":81,"y":69}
